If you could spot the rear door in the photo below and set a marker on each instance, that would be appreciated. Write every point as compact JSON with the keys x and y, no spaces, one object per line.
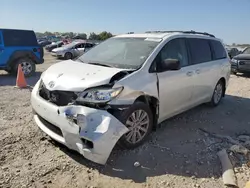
{"x":206,"y":70}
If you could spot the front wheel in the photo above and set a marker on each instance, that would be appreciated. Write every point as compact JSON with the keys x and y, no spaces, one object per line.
{"x":218,"y":93}
{"x":139,"y":120}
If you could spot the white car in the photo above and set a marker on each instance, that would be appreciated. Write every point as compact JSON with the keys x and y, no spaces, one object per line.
{"x":118,"y":91}
{"x":72,"y":50}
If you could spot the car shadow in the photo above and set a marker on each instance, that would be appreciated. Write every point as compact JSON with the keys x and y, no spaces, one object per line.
{"x":178,"y":147}
{"x":10,"y":80}
{"x":246,"y":75}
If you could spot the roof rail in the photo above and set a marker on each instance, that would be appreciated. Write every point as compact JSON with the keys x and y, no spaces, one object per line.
{"x":186,"y":32}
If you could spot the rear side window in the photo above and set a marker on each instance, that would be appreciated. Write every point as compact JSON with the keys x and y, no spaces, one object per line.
{"x":199,"y":50}
{"x":19,"y":38}
{"x":218,"y":49}
{"x":88,"y":45}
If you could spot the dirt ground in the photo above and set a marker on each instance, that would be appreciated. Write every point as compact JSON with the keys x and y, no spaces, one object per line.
{"x":176,"y":155}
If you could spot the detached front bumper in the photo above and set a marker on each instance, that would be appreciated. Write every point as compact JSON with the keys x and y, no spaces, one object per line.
{"x":94,"y":136}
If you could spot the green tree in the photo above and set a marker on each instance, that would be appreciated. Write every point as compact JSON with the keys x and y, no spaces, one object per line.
{"x":82,"y":35}
{"x":94,"y":36}
{"x":105,"y":35}
{"x":39,"y":35}
{"x":71,"y":34}
{"x":47,"y":33}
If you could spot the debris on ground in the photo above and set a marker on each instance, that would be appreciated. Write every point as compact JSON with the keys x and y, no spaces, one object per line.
{"x":136,"y":164}
{"x":238,"y":154}
{"x":228,"y":176}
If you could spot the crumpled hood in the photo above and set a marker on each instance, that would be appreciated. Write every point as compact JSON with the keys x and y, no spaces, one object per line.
{"x":242,"y":57}
{"x":76,"y":76}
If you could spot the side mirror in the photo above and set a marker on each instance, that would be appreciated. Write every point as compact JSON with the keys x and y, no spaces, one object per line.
{"x":171,"y":64}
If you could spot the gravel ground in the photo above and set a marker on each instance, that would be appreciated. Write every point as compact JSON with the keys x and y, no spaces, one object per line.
{"x":176,"y":155}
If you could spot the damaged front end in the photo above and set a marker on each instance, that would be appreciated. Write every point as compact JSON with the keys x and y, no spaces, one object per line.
{"x":82,"y":121}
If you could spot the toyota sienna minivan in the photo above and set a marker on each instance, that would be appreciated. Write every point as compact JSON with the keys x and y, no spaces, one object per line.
{"x":119,"y":90}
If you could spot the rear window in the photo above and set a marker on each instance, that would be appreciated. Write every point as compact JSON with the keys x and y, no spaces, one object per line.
{"x":219,"y":51}
{"x":19,"y":38}
{"x":200,"y":50}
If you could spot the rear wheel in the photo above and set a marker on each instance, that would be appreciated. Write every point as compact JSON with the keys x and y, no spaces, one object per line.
{"x":218,"y":93}
{"x":139,"y":120}
{"x":68,"y":55}
{"x":28,"y":67}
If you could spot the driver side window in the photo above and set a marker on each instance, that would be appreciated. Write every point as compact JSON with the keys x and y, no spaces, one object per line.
{"x":78,"y":46}
{"x":175,"y":49}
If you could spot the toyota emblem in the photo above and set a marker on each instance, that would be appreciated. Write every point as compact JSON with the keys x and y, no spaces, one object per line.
{"x":51,"y":84}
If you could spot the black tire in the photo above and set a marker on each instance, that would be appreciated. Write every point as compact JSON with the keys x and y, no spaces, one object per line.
{"x":125,"y":115}
{"x":215,"y":100}
{"x":24,"y":62}
{"x":68,"y":55}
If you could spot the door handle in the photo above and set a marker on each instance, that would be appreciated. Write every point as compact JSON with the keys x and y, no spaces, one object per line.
{"x":198,"y":71}
{"x":189,"y":73}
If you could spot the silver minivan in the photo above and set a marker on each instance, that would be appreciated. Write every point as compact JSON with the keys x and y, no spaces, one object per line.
{"x":119,"y":90}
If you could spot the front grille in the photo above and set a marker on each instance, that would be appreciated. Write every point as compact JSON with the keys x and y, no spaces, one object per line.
{"x":50,"y":126}
{"x":60,"y":98}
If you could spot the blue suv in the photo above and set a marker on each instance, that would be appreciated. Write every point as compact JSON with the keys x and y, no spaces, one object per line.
{"x":19,"y":47}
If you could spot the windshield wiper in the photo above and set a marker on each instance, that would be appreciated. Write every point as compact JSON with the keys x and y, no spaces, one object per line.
{"x":101,"y":64}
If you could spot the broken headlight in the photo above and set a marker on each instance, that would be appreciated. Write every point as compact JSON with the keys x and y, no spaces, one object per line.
{"x":99,"y":95}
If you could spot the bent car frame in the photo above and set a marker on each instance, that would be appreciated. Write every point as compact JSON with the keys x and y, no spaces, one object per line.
{"x":118,"y":91}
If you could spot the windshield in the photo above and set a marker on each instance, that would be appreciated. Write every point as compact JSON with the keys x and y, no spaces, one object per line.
{"x":246,"y":51}
{"x":125,"y":53}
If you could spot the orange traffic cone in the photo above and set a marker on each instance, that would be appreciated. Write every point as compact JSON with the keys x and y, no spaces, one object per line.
{"x":20,"y":80}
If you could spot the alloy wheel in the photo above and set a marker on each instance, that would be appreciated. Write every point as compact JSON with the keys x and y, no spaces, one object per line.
{"x":218,"y":93}
{"x":138,"y":124}
{"x":26,"y":67}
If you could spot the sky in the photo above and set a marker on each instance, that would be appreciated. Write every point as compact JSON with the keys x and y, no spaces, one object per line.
{"x":228,"y":20}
